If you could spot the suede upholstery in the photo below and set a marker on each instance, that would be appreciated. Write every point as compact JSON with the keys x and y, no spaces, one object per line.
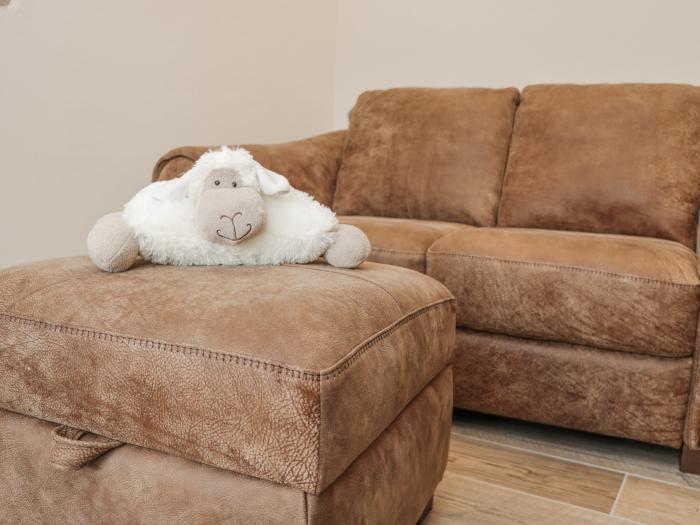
{"x":620,"y":162}
{"x":691,"y":436}
{"x":616,"y":292}
{"x":212,"y":382}
{"x":692,"y":423}
{"x":323,"y":395}
{"x":615,"y":393}
{"x":435,"y":154}
{"x":133,"y":485}
{"x":401,"y":242}
{"x":607,"y":159}
{"x":311,"y":165}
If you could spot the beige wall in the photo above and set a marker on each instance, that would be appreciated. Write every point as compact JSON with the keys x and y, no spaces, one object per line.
{"x":511,"y":43}
{"x":93,"y":92}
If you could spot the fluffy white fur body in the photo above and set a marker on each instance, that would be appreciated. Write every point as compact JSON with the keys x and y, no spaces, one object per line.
{"x":298,"y":229}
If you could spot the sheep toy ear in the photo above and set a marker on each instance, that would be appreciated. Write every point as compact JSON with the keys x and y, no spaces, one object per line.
{"x":271,"y":183}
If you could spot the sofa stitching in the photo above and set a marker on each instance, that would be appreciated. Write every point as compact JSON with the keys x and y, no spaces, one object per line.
{"x":602,"y":273}
{"x":251,"y":362}
{"x":410,"y":252}
{"x":578,"y":342}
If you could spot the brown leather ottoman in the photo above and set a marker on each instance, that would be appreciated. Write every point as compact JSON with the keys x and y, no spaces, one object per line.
{"x":293,"y":394}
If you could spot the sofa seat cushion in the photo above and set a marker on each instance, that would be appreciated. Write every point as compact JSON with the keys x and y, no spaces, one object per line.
{"x":282,"y":373}
{"x":608,"y":291}
{"x":401,"y":242}
{"x":427,"y":153}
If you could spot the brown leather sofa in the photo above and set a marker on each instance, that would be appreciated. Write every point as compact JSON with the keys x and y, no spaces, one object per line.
{"x":564,"y":221}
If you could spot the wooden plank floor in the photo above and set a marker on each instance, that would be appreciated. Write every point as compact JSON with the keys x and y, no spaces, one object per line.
{"x":505,"y":472}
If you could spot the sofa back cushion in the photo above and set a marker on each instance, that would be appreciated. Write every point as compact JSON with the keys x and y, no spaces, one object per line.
{"x":426,"y":153}
{"x":606,"y":158}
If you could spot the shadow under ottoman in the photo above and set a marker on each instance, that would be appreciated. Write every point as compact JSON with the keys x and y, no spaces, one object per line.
{"x":293,"y":394}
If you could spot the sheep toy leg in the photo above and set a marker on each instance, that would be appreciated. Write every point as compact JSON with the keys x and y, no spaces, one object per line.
{"x":111,"y":244}
{"x":350,"y":249}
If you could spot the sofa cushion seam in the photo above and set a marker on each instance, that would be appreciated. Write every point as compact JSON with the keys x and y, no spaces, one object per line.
{"x":409,"y":252}
{"x":506,"y":160}
{"x":548,"y":339}
{"x":602,"y":273}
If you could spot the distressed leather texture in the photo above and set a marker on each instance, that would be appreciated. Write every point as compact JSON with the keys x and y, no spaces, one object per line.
{"x":426,"y":153}
{"x":616,"y":292}
{"x":136,"y":486}
{"x":283,"y":373}
{"x":691,"y":435}
{"x":311,"y":165}
{"x":619,"y":158}
{"x":620,"y":162}
{"x":615,"y":393}
{"x":401,"y":242}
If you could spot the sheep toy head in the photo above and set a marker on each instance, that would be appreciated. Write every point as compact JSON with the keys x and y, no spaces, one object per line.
{"x":228,"y":188}
{"x":226,"y":210}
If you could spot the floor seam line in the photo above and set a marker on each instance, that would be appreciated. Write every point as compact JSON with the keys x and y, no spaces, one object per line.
{"x":619,"y":493}
{"x":537,"y":496}
{"x":545,"y":454}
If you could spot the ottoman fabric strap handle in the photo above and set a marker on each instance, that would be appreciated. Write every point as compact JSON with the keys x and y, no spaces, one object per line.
{"x":69,"y":452}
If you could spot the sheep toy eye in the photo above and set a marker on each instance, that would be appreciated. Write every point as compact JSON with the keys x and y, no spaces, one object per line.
{"x":217,"y":182}
{"x":235,"y":185}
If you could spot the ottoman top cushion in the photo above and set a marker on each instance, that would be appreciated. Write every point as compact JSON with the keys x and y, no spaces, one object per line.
{"x":284,"y":373}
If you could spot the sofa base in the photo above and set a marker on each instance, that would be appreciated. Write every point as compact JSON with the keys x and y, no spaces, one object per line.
{"x":690,"y":460}
{"x":621,"y":394}
{"x":389,"y":482}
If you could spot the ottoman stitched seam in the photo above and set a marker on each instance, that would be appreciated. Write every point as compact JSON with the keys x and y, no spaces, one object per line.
{"x":335,"y":272}
{"x":359,"y":350}
{"x":602,"y":273}
{"x":259,"y":364}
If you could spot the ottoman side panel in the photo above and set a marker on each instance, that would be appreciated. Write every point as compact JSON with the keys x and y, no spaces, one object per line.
{"x":365,"y":392}
{"x":238,"y":414}
{"x":129,"y":485}
{"x":392,"y":480}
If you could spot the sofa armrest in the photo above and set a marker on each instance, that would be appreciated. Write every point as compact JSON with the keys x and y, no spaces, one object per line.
{"x":691,"y":437}
{"x":311,"y":164}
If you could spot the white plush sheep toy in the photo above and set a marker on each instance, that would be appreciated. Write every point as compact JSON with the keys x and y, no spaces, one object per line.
{"x":226,"y":210}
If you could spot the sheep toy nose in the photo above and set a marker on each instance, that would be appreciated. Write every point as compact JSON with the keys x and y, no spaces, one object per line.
{"x":230,"y":216}
{"x":234,"y":234}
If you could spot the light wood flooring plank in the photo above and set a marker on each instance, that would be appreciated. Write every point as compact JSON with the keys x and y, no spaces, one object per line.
{"x":642,"y":459}
{"x":544,"y":476}
{"x":466,"y":501}
{"x":659,"y":503}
